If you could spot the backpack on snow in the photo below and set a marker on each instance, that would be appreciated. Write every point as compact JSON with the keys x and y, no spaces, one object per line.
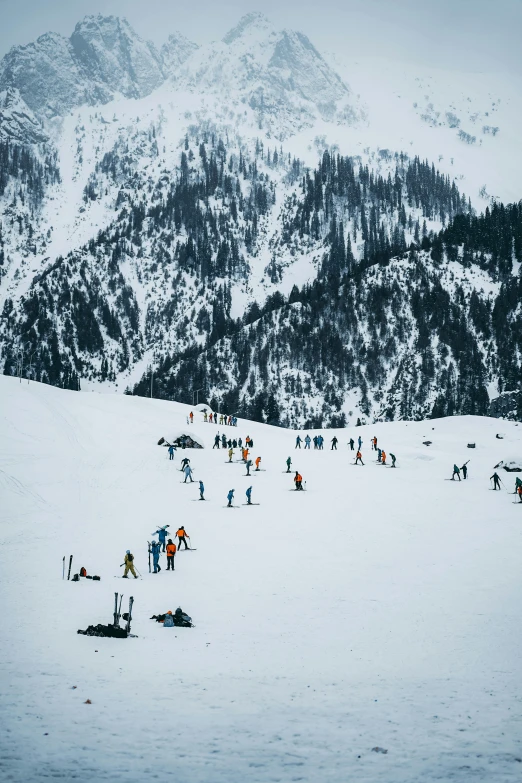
{"x":83,"y":571}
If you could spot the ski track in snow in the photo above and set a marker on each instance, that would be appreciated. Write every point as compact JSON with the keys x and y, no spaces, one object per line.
{"x":381,"y":609}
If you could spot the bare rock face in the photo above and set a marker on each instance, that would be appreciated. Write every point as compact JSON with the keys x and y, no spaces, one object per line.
{"x":175,"y":52}
{"x":112,"y":54}
{"x":17,"y":121}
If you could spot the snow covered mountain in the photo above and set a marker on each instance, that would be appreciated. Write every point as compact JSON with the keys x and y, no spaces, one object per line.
{"x":209,"y":212}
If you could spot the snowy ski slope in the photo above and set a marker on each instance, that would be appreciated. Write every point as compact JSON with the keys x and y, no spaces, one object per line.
{"x":380,"y":609}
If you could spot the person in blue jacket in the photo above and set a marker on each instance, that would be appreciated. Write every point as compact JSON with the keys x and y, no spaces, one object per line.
{"x":155,"y":549}
{"x":188,"y":473}
{"x":201,"y":490}
{"x":162,"y":535}
{"x":249,"y":496}
{"x":172,"y":451}
{"x":230,"y":498}
{"x":359,"y":441}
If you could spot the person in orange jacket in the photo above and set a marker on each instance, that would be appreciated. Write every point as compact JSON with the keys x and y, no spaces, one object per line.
{"x":374,"y":443}
{"x":519,"y":490}
{"x":258,"y":463}
{"x":358,"y":458}
{"x":298,"y":480}
{"x":383,"y":457}
{"x":191,"y":417}
{"x":181,"y":533}
{"x":245,"y":455}
{"x":171,"y":551}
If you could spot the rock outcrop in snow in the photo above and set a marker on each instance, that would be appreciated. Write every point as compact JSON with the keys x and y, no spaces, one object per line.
{"x":17,"y":121}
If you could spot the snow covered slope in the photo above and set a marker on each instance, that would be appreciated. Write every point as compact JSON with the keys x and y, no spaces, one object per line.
{"x":378,"y":610}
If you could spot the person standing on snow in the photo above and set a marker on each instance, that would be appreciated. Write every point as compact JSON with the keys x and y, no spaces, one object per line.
{"x":379,"y":455}
{"x":351,"y":443}
{"x":230,"y":454}
{"x":519,"y":490}
{"x":188,"y":474}
{"x":359,"y":441}
{"x":248,"y":466}
{"x":162,"y":535}
{"x":456,"y":472}
{"x":308,"y":440}
{"x":298,"y":442}
{"x":383,"y":459}
{"x":191,"y":417}
{"x":201,"y":490}
{"x":248,"y":494}
{"x":464,"y":470}
{"x":358,"y":458}
{"x":298,"y":480}
{"x":172,"y":451}
{"x":288,"y":464}
{"x":171,"y":551}
{"x":181,"y":533}
{"x":155,"y":549}
{"x":128,"y":562}
{"x":496,"y":480}
{"x":230,"y":498}
{"x":394,"y":458}
{"x":334,"y":443}
{"x":258,"y":463}
{"x":216,"y":442}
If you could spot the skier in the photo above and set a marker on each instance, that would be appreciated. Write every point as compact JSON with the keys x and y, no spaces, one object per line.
{"x":181,"y":533}
{"x":496,"y":480}
{"x":128,"y":561}
{"x":188,"y":474}
{"x":358,"y":458}
{"x":298,"y":480}
{"x":379,"y":455}
{"x":248,"y":466}
{"x":298,"y":442}
{"x":320,"y":442}
{"x":393,"y":459}
{"x":519,"y":490}
{"x":205,"y":417}
{"x":334,"y":443}
{"x":184,"y":462}
{"x":456,"y":472}
{"x":210,"y":418}
{"x":230,"y":454}
{"x":352,"y":444}
{"x":359,"y":441}
{"x":249,"y":496}
{"x":155,"y":548}
{"x":464,"y":470}
{"x":162,"y":535}
{"x":308,"y":440}
{"x":216,"y":442}
{"x":374,"y":443}
{"x":234,"y":444}
{"x":288,"y":464}
{"x":315,"y":441}
{"x":258,"y":463}
{"x":240,"y":442}
{"x":518,"y":483}
{"x":201,"y":490}
{"x":191,"y":417}
{"x":171,"y":551}
{"x":230,"y":498}
{"x":171,"y":452}
{"x":223,"y":441}
{"x":383,"y":461}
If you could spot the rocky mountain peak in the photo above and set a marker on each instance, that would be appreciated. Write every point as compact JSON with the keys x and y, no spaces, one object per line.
{"x":176,"y":51}
{"x":250,"y":25}
{"x":17,"y":121}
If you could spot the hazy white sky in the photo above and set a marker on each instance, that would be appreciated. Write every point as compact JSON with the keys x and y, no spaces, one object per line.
{"x":474,"y":34}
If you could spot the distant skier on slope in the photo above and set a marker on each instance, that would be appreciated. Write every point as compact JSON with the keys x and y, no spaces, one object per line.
{"x":181,"y":533}
{"x":230,"y":497}
{"x":128,"y":562}
{"x":248,"y":494}
{"x":374,"y":443}
{"x":248,"y":466}
{"x":155,"y":549}
{"x":394,"y":458}
{"x":171,"y":551}
{"x":519,"y":490}
{"x":518,"y":483}
{"x":172,"y":451}
{"x":334,"y":442}
{"x":217,"y":442}
{"x":464,"y":470}
{"x":351,"y":443}
{"x":383,"y":457}
{"x":201,"y":490}
{"x":358,"y":458}
{"x":298,"y":480}
{"x":184,"y":462}
{"x":496,"y":480}
{"x":359,"y":441}
{"x":188,"y":474}
{"x":298,"y":442}
{"x":258,"y":463}
{"x":456,"y":472}
{"x":307,"y":440}
{"x":288,"y":464}
{"x":162,"y":535}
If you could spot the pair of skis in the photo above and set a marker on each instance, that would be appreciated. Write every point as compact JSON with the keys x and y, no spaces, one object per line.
{"x":63,"y":567}
{"x":117,"y":612}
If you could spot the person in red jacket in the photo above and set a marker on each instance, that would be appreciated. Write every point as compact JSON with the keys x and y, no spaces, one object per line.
{"x":358,"y":458}
{"x":298,"y":480}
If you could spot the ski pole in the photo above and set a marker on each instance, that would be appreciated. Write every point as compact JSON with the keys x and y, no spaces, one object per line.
{"x":138,"y":572}
{"x":63,"y":568}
